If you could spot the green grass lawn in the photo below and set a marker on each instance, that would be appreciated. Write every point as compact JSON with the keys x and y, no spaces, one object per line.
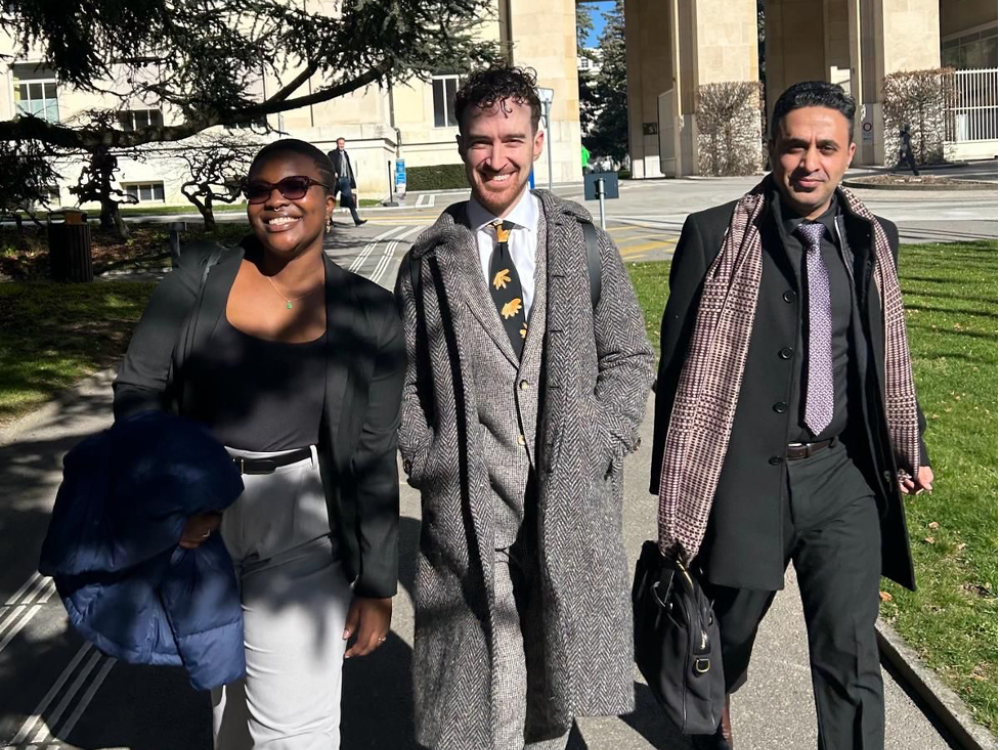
{"x":951,"y":621}
{"x":51,"y":335}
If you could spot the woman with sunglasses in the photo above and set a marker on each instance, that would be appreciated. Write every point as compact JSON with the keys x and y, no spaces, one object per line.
{"x":296,"y":365}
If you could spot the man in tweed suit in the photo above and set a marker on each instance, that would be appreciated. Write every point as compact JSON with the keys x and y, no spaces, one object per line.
{"x":522,"y":398}
{"x":786,"y":416}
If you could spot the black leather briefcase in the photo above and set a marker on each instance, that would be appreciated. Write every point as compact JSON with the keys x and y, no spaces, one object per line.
{"x":677,"y":642}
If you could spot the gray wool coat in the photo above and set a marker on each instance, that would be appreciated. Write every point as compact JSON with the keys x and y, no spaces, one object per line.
{"x":597,"y":368}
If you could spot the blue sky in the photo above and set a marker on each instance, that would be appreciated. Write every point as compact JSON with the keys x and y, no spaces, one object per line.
{"x":596,"y":11}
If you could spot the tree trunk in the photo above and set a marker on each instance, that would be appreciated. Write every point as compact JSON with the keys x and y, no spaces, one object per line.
{"x":208,"y":215}
{"x":112,"y":221}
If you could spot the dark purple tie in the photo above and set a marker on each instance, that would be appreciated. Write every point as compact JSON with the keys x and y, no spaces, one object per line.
{"x":819,"y":377}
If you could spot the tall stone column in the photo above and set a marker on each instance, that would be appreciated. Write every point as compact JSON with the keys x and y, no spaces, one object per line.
{"x":648,"y":56}
{"x":544,"y":38}
{"x":891,"y":36}
{"x":676,"y":46}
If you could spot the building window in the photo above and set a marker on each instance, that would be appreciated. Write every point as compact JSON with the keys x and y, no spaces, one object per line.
{"x":445,"y":88}
{"x":137,"y":119}
{"x":144,"y":192}
{"x":36,"y":92}
{"x":975,"y":51}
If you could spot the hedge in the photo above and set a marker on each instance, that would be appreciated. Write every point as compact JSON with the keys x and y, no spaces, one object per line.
{"x":437,"y":177}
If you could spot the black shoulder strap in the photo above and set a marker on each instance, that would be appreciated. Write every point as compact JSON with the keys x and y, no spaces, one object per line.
{"x":414,"y":274}
{"x":213,"y":258}
{"x":593,"y":261}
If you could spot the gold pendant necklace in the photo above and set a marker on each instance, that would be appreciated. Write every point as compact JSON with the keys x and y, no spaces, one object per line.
{"x":288,"y":302}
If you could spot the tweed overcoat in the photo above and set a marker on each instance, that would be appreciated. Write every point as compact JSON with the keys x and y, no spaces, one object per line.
{"x":597,"y":367}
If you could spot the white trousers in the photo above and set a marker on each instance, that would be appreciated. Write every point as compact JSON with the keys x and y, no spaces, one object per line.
{"x":295,"y":598}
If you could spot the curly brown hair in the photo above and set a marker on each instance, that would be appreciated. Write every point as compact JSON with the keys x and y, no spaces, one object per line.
{"x":485,"y":88}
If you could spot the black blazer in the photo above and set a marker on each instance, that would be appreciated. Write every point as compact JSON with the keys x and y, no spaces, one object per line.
{"x":743,"y":543}
{"x":365,"y":370}
{"x":342,"y":166}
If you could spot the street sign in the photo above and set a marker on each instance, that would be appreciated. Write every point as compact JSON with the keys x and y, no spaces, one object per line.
{"x":400,"y":177}
{"x":598,"y":186}
{"x":610,"y":180}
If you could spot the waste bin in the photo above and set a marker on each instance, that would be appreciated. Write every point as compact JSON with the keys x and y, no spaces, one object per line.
{"x":70,"y":254}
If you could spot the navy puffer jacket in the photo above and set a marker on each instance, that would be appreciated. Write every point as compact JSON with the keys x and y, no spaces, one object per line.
{"x":112,"y":547}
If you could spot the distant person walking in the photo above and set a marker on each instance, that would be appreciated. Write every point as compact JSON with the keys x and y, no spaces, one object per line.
{"x":345,"y":182}
{"x":906,"y":150}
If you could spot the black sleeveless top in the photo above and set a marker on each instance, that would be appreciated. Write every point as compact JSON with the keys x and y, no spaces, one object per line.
{"x":258,"y":395}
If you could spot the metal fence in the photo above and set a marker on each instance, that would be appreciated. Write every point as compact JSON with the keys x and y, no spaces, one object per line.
{"x":972,"y":109}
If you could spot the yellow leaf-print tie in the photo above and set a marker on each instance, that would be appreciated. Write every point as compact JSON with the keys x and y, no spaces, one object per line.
{"x":505,"y":286}
{"x":512,"y":308}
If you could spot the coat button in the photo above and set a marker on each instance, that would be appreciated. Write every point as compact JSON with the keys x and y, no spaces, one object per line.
{"x":774,"y":460}
{"x":789,"y":296}
{"x":785,"y":353}
{"x":408,"y":466}
{"x":780,"y":407}
{"x":524,"y":385}
{"x":520,"y":440}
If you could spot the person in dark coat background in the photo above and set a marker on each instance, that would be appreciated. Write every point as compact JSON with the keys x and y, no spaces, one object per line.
{"x":786,"y":417}
{"x":295,"y":365}
{"x":345,"y":180}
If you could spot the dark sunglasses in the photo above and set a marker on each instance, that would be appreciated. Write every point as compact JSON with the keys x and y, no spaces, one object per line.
{"x":292,"y":188}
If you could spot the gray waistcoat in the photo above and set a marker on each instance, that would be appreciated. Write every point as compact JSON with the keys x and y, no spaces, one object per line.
{"x":507,"y":396}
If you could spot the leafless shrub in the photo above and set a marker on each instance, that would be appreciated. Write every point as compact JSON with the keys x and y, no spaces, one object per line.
{"x":918,"y":98}
{"x":729,"y":129}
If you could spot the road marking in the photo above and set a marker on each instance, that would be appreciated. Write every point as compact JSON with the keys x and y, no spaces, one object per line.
{"x":657,"y":237}
{"x":24,"y":587}
{"x":425,"y":201}
{"x":42,"y":707}
{"x":64,"y":731}
{"x":390,"y":254}
{"x":43,"y":731}
{"x":410,"y":223}
{"x":39,"y":590}
{"x":384,"y":261}
{"x":632,"y":249}
{"x":359,"y":261}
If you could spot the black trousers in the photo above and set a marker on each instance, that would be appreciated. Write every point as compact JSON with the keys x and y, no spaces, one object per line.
{"x":831,"y":534}
{"x":347,"y":198}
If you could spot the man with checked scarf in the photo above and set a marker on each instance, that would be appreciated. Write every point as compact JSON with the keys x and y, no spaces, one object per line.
{"x":787,"y":424}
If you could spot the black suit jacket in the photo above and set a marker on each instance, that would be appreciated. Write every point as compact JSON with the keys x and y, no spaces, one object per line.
{"x":365,"y":369}
{"x":343,"y":167}
{"x":743,"y":544}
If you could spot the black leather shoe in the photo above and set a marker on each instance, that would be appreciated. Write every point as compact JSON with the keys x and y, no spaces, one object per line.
{"x":359,"y":223}
{"x":723,"y":737}
{"x":726,"y":727}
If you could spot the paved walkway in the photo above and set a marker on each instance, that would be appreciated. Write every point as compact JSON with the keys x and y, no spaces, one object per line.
{"x":56,"y":692}
{"x":773,"y":712}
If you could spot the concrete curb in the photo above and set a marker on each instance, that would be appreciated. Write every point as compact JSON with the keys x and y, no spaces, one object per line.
{"x":941,"y":701}
{"x":967,"y":185}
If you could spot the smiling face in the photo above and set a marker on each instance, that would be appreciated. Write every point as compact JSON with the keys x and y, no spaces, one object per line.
{"x":498,"y":146}
{"x":285,"y":227}
{"x":812,"y":151}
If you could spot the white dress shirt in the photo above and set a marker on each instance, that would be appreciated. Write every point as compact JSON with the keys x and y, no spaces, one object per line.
{"x":522,"y":243}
